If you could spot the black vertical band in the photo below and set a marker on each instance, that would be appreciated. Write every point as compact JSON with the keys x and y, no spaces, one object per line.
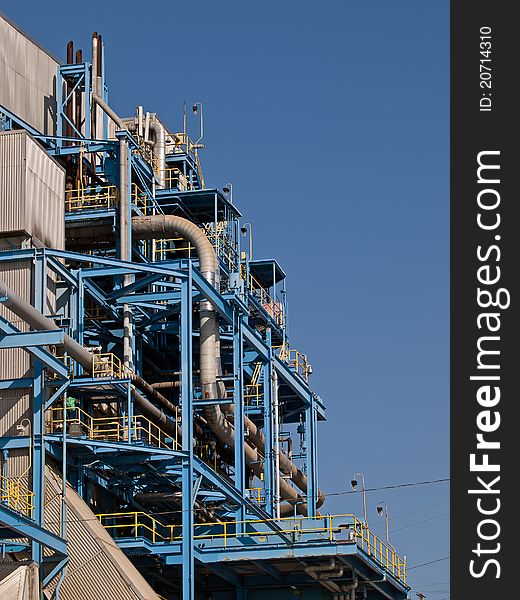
{"x":485,"y":352}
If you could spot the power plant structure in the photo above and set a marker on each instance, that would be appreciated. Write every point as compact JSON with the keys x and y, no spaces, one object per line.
{"x":158,"y":432}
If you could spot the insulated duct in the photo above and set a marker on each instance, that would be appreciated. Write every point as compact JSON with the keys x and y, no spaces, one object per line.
{"x":168,"y":226}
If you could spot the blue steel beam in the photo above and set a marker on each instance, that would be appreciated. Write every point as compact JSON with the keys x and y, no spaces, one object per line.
{"x":31,"y":338}
{"x":133,"y":287}
{"x":14,"y":384}
{"x":57,"y":394}
{"x":148,"y":297}
{"x":188,"y":564}
{"x":22,"y":527}
{"x":48,"y":359}
{"x":14,"y":443}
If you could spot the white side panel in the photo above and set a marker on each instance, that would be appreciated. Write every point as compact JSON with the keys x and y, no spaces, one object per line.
{"x":27,"y":79}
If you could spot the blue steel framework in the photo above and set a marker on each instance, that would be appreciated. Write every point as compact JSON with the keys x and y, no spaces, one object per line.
{"x":181,"y":508}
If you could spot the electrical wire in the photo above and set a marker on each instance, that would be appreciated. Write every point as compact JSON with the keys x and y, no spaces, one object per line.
{"x":420,"y":522}
{"x":231,"y":505}
{"x":431,"y":562}
{"x":390,"y":487}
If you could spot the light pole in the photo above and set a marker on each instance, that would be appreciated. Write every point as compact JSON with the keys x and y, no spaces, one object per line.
{"x":382,"y":507}
{"x":197,"y":110}
{"x":354,"y":484}
{"x":228,"y":190}
{"x":243,"y":230}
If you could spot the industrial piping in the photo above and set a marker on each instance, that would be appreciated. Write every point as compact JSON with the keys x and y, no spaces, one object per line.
{"x":35,"y":319}
{"x":163,"y":226}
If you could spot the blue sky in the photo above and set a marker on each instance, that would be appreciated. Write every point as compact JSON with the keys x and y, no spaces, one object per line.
{"x":331,"y":120}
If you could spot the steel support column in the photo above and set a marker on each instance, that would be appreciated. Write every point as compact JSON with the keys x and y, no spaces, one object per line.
{"x":310,"y":457}
{"x":269,"y":474}
{"x":188,"y":560}
{"x":238,"y":370}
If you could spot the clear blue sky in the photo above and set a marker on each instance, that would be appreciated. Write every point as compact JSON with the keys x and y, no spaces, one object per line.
{"x":331,"y":119}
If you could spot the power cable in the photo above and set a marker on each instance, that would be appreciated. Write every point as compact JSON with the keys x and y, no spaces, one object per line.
{"x":431,"y":562}
{"x":420,"y":522}
{"x":390,"y":487}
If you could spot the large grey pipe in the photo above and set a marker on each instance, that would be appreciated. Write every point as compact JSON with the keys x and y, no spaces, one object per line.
{"x":80,"y":354}
{"x":35,"y":319}
{"x":124,"y":245}
{"x":159,"y":148}
{"x":106,"y":109}
{"x":164,"y":226}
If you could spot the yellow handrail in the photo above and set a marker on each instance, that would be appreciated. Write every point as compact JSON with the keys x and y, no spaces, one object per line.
{"x":294,"y":359}
{"x":16,"y":496}
{"x":114,"y":429}
{"x":91,"y":198}
{"x":253,"y":393}
{"x":331,"y":527}
{"x":102,"y":198}
{"x":271,"y":306}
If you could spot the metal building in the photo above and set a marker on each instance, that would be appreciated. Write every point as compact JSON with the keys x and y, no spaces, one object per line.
{"x":158,"y":430}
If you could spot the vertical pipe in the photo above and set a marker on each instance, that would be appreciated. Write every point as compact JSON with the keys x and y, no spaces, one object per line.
{"x":79,"y":60}
{"x":147,"y":127}
{"x":69,"y":107}
{"x":140,"y":121}
{"x":184,"y":141}
{"x":99,"y":86}
{"x":124,"y":244}
{"x":93,"y":84}
{"x":70,"y":173}
{"x":77,"y":123}
{"x":276,"y":441}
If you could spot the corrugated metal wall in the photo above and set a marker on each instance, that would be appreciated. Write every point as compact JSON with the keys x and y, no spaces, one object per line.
{"x":32,"y":188}
{"x":19,"y":581}
{"x":27,"y":78}
{"x":96,"y":563}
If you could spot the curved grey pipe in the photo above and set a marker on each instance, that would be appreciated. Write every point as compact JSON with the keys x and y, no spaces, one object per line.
{"x":163,"y":226}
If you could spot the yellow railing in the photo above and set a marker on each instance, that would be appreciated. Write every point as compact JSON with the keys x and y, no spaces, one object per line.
{"x":335,"y":528}
{"x":255,"y":494}
{"x":139,"y":199}
{"x":112,"y":429}
{"x":105,"y":365}
{"x":380,"y":551}
{"x":164,"y":249}
{"x":294,"y":359}
{"x":91,"y":198}
{"x":182,"y":143}
{"x":253,"y":393}
{"x":102,"y":198}
{"x":16,"y":496}
{"x":271,"y":306}
{"x":169,"y":247}
{"x":175,"y":178}
{"x":223,"y":244}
